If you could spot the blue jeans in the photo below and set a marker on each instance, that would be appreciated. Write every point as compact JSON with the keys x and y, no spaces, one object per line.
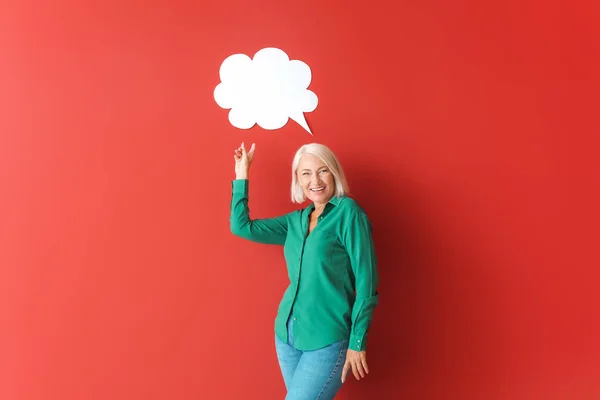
{"x":311,"y":375}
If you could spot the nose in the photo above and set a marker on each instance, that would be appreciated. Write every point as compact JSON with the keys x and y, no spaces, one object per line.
{"x":317,"y":179}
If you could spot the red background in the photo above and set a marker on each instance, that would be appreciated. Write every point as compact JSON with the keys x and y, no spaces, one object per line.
{"x":462,"y":127}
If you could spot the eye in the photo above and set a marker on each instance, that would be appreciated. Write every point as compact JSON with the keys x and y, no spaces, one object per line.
{"x":305,"y":173}
{"x":324,"y":170}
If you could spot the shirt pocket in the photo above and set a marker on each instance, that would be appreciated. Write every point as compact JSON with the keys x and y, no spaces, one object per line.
{"x":321,"y":246}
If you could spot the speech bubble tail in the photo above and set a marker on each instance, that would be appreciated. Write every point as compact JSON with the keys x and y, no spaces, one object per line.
{"x":300,"y":120}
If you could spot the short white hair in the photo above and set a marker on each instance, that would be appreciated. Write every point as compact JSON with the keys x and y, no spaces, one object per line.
{"x":326,"y":155}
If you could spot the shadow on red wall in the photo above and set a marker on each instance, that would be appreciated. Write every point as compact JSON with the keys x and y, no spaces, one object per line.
{"x":429,"y":322}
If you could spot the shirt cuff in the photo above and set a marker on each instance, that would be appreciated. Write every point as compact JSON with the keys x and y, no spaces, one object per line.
{"x":240,"y":186}
{"x":358,"y":342}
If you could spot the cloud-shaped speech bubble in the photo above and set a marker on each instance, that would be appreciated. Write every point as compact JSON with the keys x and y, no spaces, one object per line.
{"x":266,"y":90}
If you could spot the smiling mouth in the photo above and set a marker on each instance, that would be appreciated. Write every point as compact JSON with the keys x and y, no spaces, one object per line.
{"x":320,"y":189}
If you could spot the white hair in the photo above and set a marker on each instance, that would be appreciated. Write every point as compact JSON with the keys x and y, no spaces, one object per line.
{"x":326,"y":155}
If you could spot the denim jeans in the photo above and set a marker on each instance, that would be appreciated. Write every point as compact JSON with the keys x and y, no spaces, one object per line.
{"x":311,"y":375}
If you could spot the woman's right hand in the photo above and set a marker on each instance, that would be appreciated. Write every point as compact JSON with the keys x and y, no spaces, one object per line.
{"x":243,"y":159}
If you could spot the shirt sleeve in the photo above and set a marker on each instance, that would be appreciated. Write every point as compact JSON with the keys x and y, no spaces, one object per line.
{"x":267,"y":231}
{"x":359,"y":245}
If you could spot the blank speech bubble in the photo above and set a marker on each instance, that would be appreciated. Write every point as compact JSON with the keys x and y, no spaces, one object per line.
{"x":266,"y":90}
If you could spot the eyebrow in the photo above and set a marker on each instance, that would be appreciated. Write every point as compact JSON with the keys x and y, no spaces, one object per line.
{"x":306,"y":169}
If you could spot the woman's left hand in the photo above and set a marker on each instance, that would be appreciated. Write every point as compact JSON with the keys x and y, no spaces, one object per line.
{"x":357,"y":360}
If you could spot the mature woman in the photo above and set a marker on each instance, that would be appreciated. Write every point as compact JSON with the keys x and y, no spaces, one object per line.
{"x":324,"y":315}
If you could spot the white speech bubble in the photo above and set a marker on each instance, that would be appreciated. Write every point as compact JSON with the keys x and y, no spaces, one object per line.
{"x":266,"y":90}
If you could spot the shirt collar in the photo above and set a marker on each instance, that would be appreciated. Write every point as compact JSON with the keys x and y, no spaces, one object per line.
{"x":335,"y":200}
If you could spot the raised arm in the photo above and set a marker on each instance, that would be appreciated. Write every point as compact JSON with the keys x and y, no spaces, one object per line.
{"x":268,"y":230}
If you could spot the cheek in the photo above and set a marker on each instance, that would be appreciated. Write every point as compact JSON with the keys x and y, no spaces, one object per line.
{"x":331,"y":182}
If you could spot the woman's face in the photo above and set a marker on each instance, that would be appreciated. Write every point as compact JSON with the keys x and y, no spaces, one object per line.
{"x":316,"y":179}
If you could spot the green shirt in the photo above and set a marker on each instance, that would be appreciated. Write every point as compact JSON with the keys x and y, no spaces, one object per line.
{"x":332,"y":270}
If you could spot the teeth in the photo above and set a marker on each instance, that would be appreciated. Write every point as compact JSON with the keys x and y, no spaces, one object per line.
{"x":318,"y":190}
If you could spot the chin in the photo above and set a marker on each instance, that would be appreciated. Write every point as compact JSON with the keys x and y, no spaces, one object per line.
{"x":319,"y":198}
